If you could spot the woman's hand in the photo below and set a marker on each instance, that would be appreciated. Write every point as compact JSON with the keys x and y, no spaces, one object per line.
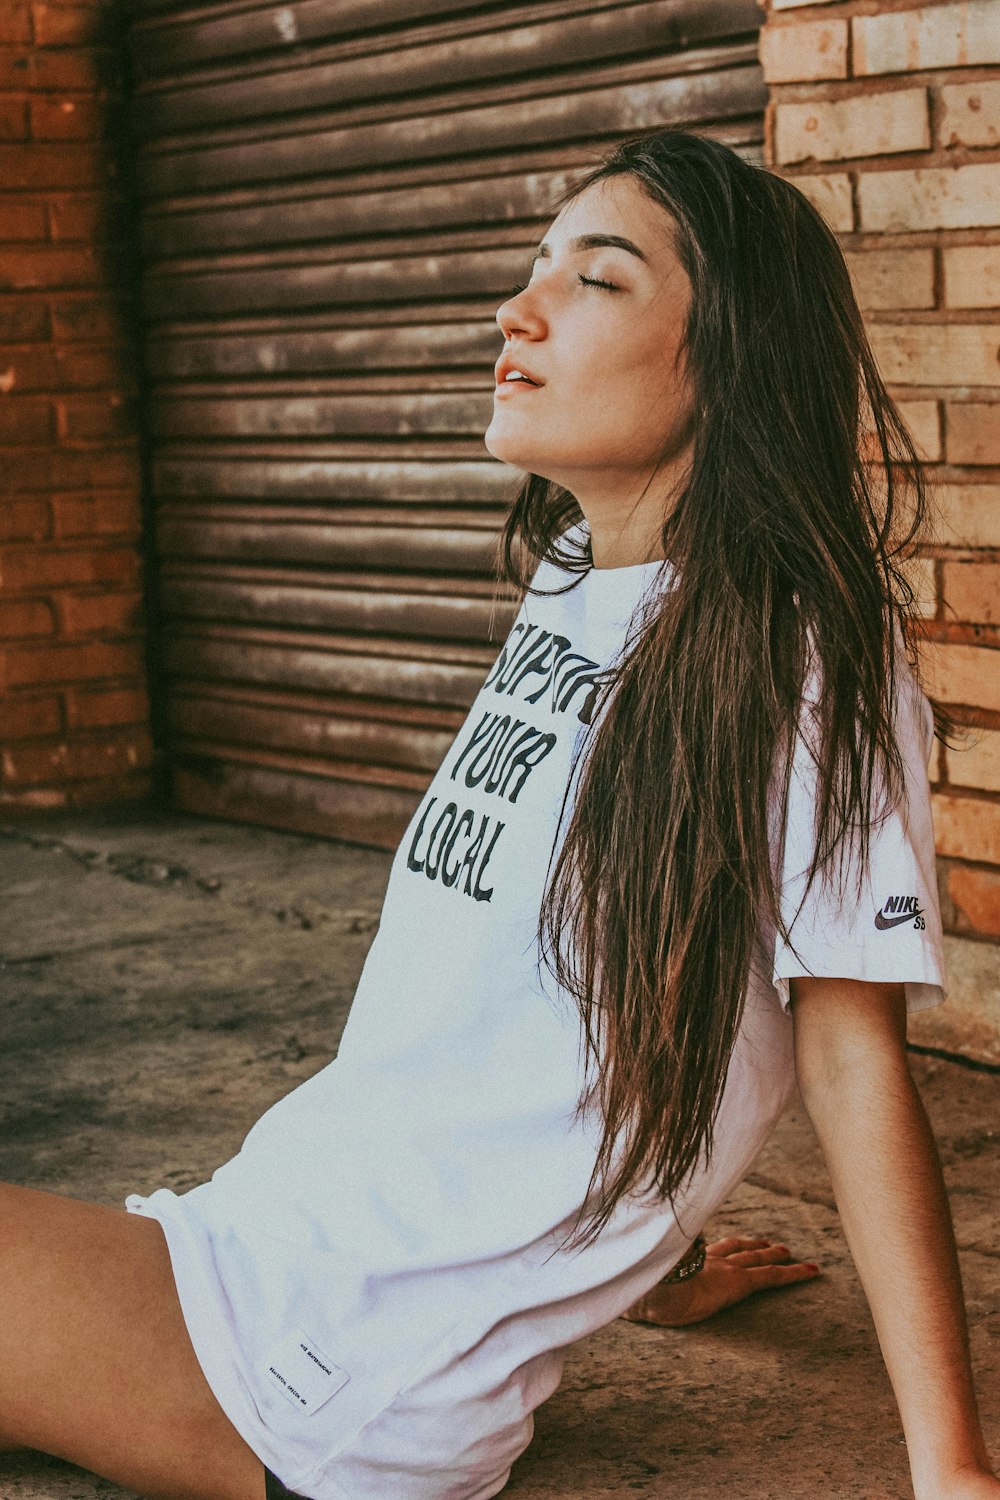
{"x":734,"y":1269}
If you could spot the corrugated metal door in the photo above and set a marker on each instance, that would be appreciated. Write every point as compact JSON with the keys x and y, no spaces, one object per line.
{"x":337,"y":195}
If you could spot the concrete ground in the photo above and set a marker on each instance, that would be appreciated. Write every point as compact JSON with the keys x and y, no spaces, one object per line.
{"x":164,"y":979}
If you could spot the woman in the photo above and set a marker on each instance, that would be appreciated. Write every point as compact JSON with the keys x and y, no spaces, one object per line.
{"x":598,"y":974}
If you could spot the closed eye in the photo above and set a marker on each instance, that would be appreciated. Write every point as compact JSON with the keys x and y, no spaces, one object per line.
{"x":609,"y":286}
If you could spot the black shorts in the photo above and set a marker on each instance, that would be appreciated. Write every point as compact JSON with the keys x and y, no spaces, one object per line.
{"x":275,"y":1490}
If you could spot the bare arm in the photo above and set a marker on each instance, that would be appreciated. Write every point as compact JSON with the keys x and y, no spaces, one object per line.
{"x":856,"y":1086}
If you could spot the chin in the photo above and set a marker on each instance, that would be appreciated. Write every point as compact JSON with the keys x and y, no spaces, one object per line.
{"x":510,"y":450}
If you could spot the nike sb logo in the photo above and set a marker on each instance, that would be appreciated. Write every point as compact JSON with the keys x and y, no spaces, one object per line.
{"x":896,"y":911}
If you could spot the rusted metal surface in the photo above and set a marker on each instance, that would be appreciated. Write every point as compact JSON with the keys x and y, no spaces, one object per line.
{"x":188,"y":289}
{"x":187,"y":39}
{"x":250,"y":535}
{"x":322,"y":666}
{"x":331,"y":81}
{"x":331,"y":478}
{"x":315,"y":604}
{"x":267,"y":351}
{"x":378,"y":414}
{"x":363,"y":812}
{"x":336,"y":199}
{"x":387,"y":742}
{"x":584,"y":114}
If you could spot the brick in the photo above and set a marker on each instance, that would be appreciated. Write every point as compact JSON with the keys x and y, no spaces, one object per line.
{"x":963,"y":675}
{"x":24,"y":419}
{"x":137,"y":788}
{"x":977,"y":763}
{"x":21,"y":320}
{"x":55,"y":119}
{"x":972,"y":431}
{"x":24,"y":520}
{"x":16,"y":67}
{"x":892,"y":278}
{"x":106,"y":708}
{"x":13,"y":119}
{"x":923,"y":420}
{"x":865,"y":125}
{"x":88,"y":216}
{"x":830,"y":196}
{"x":975,"y":891}
{"x":22,"y":618}
{"x":50,"y":266}
{"x":22,"y":221}
{"x":35,"y":368}
{"x":128,"y":787}
{"x":972,"y":592}
{"x":970,"y":114}
{"x":972,"y":276}
{"x":30,"y":718}
{"x":938,"y":354}
{"x":74,"y":661}
{"x":930,"y":198}
{"x":35,"y":799}
{"x":83,"y":317}
{"x":96,"y":419}
{"x":84,"y":69}
{"x":74,"y":760}
{"x":64,"y":469}
{"x":70,"y":25}
{"x":967,"y":827}
{"x":807,"y":50}
{"x":101,"y":614}
{"x":956,"y":35}
{"x":34,"y":568}
{"x":967,"y":515}
{"x":37,"y":165}
{"x":15,"y":22}
{"x":97,"y":515}
{"x":920,"y":573}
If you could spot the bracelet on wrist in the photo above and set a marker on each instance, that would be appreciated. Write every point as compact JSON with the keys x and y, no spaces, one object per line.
{"x":690,"y":1263}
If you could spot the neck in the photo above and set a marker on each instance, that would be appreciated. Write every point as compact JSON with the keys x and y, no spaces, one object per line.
{"x":623,"y":533}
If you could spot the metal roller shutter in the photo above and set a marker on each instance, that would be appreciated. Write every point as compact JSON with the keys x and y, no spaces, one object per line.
{"x":336,"y":196}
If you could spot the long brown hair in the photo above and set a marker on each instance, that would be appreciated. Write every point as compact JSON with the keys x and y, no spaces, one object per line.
{"x":786,"y":541}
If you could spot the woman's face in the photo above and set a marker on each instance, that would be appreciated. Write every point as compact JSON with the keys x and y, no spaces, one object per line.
{"x":610,"y":407}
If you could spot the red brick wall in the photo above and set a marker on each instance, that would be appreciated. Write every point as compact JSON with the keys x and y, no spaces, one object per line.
{"x":888,"y":117}
{"x":73,"y":705}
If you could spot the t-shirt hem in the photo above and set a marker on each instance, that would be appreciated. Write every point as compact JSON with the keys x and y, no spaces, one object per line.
{"x":209,"y":1335}
{"x":921,"y":994}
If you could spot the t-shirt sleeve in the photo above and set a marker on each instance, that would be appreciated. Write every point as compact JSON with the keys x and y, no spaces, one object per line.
{"x":891,"y":933}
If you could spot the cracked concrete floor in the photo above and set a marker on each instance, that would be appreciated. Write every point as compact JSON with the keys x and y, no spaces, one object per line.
{"x":164,"y":979}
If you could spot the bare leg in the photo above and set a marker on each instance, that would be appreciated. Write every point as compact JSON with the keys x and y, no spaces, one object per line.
{"x":95,"y":1361}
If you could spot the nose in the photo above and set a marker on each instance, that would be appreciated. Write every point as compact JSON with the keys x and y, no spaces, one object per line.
{"x":516,"y":315}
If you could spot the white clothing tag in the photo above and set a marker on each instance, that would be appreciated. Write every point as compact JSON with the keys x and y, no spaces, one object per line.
{"x":303,"y":1374}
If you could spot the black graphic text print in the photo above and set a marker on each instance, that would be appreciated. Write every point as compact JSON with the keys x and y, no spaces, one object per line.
{"x":499,"y":754}
{"x":531,"y":653}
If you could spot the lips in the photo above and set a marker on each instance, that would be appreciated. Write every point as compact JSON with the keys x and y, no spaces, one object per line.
{"x":506,"y":365}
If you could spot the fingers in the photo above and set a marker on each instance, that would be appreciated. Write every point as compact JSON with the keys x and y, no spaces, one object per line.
{"x":733,"y":1243}
{"x":765,"y":1276}
{"x":773,"y":1254}
{"x":753,"y":1253}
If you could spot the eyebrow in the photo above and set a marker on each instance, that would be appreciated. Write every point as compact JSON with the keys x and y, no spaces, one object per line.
{"x":593,"y":242}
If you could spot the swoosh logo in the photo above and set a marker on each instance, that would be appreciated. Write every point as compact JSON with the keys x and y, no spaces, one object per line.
{"x":883,"y":923}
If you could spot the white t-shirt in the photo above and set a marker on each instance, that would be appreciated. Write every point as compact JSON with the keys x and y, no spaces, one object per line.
{"x":369,"y":1284}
